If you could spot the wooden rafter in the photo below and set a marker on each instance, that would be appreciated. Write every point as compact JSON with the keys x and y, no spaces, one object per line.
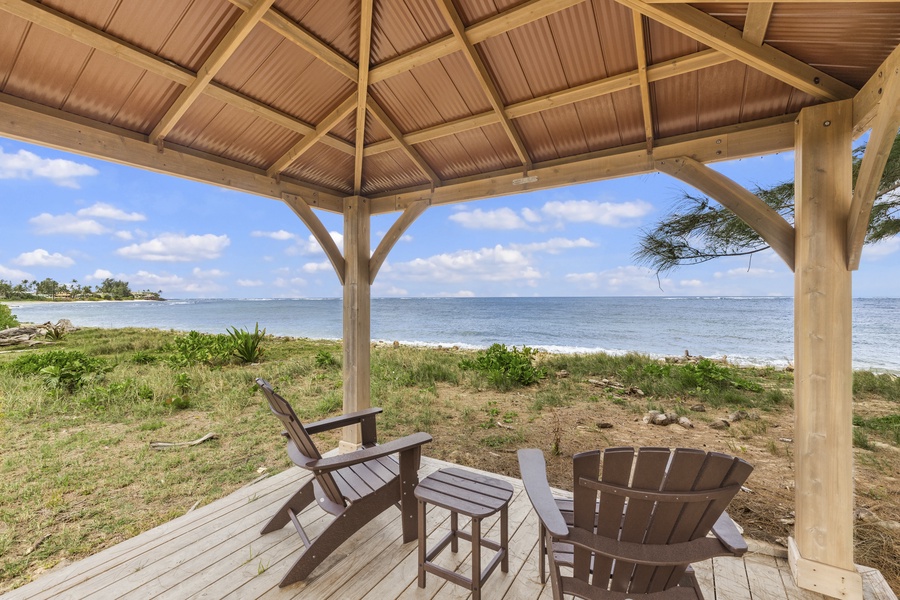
{"x":38,"y":124}
{"x":726,"y":143}
{"x":451,"y":16}
{"x":291,"y":31}
{"x":215,"y":61}
{"x":65,"y":25}
{"x":878,"y":148}
{"x":500,"y":23}
{"x":393,"y":235}
{"x":302,"y":209}
{"x":594,"y":89}
{"x":644,"y":83}
{"x":327,"y":124}
{"x":365,"y":49}
{"x":397,"y":136}
{"x":717,"y":34}
{"x":762,"y":218}
{"x":757,"y":22}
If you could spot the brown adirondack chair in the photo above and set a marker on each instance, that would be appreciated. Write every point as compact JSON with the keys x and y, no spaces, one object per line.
{"x":354,"y":487}
{"x":650,"y":522}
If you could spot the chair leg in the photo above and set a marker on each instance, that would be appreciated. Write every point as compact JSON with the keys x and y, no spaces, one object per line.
{"x":296,"y":503}
{"x":338,"y":531}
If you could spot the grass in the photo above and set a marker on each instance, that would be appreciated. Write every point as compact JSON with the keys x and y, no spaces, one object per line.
{"x":75,"y":461}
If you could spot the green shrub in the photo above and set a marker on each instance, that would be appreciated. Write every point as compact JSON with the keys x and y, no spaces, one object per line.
{"x":706,"y":374}
{"x":144,"y":357}
{"x":882,"y":384}
{"x":325,"y":360}
{"x":7,"y":319}
{"x":60,"y":369}
{"x":195,"y":348}
{"x":506,"y":367}
{"x":246,"y":344}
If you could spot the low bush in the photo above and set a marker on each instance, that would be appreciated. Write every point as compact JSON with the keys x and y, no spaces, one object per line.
{"x":7,"y":319}
{"x":246,"y":345}
{"x":200,"y":348}
{"x":506,"y":367}
{"x":60,"y":369}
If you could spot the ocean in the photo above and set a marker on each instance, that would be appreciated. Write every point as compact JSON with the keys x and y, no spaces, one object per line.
{"x":749,"y":331}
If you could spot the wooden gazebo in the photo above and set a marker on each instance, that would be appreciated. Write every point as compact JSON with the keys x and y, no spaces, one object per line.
{"x":363,"y":107}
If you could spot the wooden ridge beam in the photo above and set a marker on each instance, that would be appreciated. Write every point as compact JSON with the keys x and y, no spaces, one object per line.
{"x":30,"y":122}
{"x":500,"y":23}
{"x":451,"y":16}
{"x":878,"y":148}
{"x":327,"y":124}
{"x":319,"y":231}
{"x":65,"y":25}
{"x":643,"y":81}
{"x":725,"y":143}
{"x":397,"y":136}
{"x":762,"y":218}
{"x":365,"y":52}
{"x":594,"y":89}
{"x":412,"y":212}
{"x":291,"y":31}
{"x":211,"y":66}
{"x":714,"y":33}
{"x":757,"y":22}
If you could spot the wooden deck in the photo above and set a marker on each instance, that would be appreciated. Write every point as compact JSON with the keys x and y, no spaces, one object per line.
{"x":217,"y":552}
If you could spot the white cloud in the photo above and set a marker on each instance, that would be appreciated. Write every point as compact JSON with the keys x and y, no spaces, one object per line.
{"x":124,"y":235}
{"x":173,"y":247}
{"x":281,"y":234}
{"x":882,"y":249}
{"x":745,"y":272}
{"x":619,"y":280}
{"x":487,"y":264}
{"x":406,"y":238}
{"x":249,"y":282}
{"x":47,"y":224}
{"x":317,"y":267}
{"x":691,"y":283}
{"x":458,"y":294}
{"x":554,"y":246}
{"x":612,"y":214}
{"x":390,"y":291}
{"x":98,"y":275}
{"x":171,"y":283}
{"x":27,"y":165}
{"x":530,"y":216}
{"x":210,"y":274}
{"x":13,"y":275}
{"x":502,"y":218}
{"x":42,"y":258}
{"x":311,"y":246}
{"x":102,"y":210}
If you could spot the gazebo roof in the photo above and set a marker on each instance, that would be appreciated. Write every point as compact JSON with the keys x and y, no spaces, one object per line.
{"x":441,"y":100}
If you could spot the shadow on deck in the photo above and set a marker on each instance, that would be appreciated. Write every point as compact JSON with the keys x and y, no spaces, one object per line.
{"x":217,"y":552}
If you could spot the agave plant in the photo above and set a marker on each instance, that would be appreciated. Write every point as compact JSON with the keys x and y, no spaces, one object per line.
{"x":247,"y":344}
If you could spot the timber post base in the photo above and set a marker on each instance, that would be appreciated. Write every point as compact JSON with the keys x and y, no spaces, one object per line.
{"x":477,"y":497}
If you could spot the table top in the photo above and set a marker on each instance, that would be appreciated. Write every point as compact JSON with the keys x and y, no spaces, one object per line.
{"x":464,"y":492}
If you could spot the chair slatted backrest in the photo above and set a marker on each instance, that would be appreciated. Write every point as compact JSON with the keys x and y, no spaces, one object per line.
{"x":301,"y":439}
{"x":664,"y":518}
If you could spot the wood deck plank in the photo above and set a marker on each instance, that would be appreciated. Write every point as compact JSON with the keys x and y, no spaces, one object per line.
{"x":217,"y":552}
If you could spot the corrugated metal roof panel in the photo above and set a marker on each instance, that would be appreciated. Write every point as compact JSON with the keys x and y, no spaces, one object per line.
{"x":96,"y":12}
{"x":537,"y":55}
{"x":102,"y":88}
{"x":390,"y":170}
{"x":629,"y":115}
{"x":616,"y":36}
{"x":324,"y":166}
{"x":346,"y":128}
{"x":335,"y":22}
{"x":578,"y":44}
{"x":147,"y":103}
{"x":503,"y":64}
{"x":441,"y":89}
{"x":764,"y":96}
{"x":259,"y":49}
{"x":47,"y":67}
{"x":536,"y":137}
{"x":598,"y":122}
{"x":466,"y":83}
{"x":566,"y":131}
{"x":375,"y":132}
{"x":404,"y":100}
{"x":485,"y":153}
{"x":403,"y":25}
{"x":721,"y":91}
{"x":667,"y":43}
{"x":13,"y":31}
{"x":674,"y":105}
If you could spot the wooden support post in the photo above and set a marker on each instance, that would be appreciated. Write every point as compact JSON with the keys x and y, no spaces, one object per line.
{"x":821,"y":553}
{"x":357,"y":314}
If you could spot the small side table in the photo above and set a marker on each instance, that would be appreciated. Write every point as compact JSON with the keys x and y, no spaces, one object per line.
{"x":472,"y":495}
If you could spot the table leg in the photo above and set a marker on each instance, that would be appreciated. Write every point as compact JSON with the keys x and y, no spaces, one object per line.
{"x":476,"y":558}
{"x":504,"y":538}
{"x":454,"y":529}
{"x":422,"y":539}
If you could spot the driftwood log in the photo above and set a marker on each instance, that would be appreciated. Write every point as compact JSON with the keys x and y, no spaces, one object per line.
{"x":26,"y":334}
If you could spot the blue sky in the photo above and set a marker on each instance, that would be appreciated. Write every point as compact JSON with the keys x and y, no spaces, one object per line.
{"x":70,"y":217}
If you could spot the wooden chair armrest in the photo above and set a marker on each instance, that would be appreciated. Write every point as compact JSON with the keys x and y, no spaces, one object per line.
{"x":649,"y":554}
{"x":341,"y":420}
{"x":727,"y":533}
{"x":533,"y":469}
{"x":403,"y":444}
